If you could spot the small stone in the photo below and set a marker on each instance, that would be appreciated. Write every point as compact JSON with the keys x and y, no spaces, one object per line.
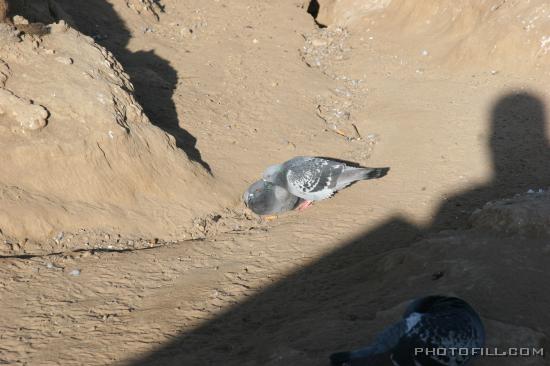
{"x":50,"y":265}
{"x":19,"y":20}
{"x":318,"y":42}
{"x":74,"y":272}
{"x":59,"y":237}
{"x":64,"y":60}
{"x":60,"y":27}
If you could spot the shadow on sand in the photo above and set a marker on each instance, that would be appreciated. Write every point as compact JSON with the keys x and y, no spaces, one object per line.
{"x":292,"y":313}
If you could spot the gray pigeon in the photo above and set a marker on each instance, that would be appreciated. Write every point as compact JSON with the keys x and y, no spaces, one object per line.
{"x":434,"y":331}
{"x":315,"y":179}
{"x":265,"y":198}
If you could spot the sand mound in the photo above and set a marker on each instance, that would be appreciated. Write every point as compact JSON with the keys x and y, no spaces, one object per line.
{"x":494,"y":34}
{"x":77,"y":150}
{"x":527,"y":215}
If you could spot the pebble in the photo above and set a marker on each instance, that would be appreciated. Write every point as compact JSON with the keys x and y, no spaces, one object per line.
{"x":85,"y":254}
{"x":50,"y":265}
{"x":318,"y":42}
{"x":64,"y":60}
{"x":74,"y":272}
{"x":59,"y":237}
{"x":60,"y":27}
{"x":19,"y":20}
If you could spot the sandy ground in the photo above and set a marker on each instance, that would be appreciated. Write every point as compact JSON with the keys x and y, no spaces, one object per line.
{"x":241,"y":86}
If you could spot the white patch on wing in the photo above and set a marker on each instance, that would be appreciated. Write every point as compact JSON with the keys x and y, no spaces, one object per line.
{"x":412,"y":320}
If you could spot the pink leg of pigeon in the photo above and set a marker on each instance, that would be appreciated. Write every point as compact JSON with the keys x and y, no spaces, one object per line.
{"x":302,"y":206}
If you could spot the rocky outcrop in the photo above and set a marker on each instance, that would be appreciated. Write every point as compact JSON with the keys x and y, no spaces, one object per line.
{"x":526,"y":215}
{"x":77,"y":150}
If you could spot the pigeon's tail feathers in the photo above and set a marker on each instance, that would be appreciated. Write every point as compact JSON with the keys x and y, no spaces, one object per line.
{"x":373,"y":173}
{"x":340,"y":359}
{"x":351,"y":175}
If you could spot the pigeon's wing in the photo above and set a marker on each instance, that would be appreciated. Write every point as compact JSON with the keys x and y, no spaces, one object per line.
{"x":307,"y":177}
{"x":418,"y":335}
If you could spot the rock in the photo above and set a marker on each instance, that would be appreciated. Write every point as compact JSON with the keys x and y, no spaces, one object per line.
{"x":75,"y":272}
{"x":28,"y":116}
{"x":318,"y":42}
{"x":64,"y":60}
{"x":59,"y":27}
{"x":19,"y":20}
{"x":526,"y":214}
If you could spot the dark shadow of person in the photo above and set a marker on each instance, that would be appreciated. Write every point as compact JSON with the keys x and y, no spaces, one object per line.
{"x":273,"y":321}
{"x":153,"y":77}
{"x":292,"y":313}
{"x":519,"y":156}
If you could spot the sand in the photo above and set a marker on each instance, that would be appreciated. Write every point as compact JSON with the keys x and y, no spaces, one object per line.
{"x":131,"y":129}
